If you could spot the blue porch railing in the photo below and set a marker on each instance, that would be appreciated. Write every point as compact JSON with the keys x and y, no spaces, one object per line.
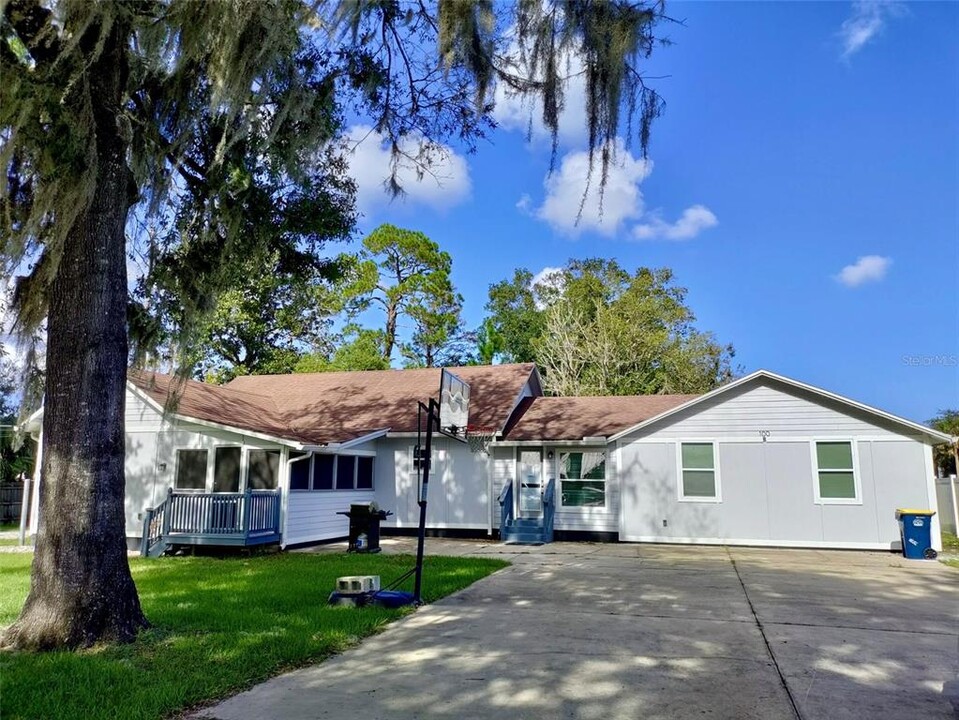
{"x":549,"y":510}
{"x":529,"y":530}
{"x":505,"y":508}
{"x":187,"y":518}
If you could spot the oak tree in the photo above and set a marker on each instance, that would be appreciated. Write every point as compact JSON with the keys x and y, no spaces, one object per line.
{"x":112,"y":113}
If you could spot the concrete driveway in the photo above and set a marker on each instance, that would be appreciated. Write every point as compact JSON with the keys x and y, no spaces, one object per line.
{"x":599,"y":631}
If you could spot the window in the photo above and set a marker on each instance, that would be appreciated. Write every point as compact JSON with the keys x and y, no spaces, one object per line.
{"x":323,"y":472}
{"x":345,"y":471}
{"x":264,"y":469}
{"x":190,"y":470}
{"x":582,"y":479}
{"x":300,"y":473}
{"x":836,"y":473}
{"x":364,"y":473}
{"x":697,"y":469}
{"x":226,"y":469}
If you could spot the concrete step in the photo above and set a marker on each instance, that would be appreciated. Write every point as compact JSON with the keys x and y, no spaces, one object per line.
{"x":524,"y":537}
{"x":527,"y":523}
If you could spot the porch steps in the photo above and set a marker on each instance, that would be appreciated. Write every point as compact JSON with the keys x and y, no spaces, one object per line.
{"x":525,"y":531}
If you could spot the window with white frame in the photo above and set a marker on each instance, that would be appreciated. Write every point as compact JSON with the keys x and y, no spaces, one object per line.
{"x":698,"y":476}
{"x":582,"y":476}
{"x":190,"y":470}
{"x":835,"y":473}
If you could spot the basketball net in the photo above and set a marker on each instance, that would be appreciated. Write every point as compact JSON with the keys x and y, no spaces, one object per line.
{"x":479,"y":439}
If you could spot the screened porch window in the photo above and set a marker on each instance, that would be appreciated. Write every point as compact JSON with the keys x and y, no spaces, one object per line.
{"x":364,"y":473}
{"x":323,"y":472}
{"x":836,"y":474}
{"x":264,"y":472}
{"x":300,"y":473}
{"x":582,"y":478}
{"x":345,"y":472}
{"x":190,"y":470}
{"x":226,"y":469}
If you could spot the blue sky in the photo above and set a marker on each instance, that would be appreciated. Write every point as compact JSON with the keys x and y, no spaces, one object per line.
{"x":803,"y":184}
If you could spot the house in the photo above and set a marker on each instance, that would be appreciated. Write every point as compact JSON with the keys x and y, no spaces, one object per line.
{"x":764,"y":460}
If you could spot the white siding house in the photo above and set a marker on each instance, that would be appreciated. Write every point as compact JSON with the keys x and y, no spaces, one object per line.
{"x":764,"y":460}
{"x":779,"y":463}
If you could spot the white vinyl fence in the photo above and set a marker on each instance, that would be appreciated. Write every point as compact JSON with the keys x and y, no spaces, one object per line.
{"x":947,"y":493}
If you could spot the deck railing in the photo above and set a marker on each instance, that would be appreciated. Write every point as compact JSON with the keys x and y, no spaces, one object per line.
{"x":549,"y":510}
{"x":247,"y":518}
{"x":505,"y":508}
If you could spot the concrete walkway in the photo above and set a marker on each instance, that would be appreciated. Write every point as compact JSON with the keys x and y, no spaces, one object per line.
{"x":600,"y":631}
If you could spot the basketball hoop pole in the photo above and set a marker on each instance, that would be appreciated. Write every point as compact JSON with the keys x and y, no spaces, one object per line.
{"x":432,"y":411}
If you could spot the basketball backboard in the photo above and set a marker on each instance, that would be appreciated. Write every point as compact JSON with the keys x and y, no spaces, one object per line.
{"x":454,"y":405}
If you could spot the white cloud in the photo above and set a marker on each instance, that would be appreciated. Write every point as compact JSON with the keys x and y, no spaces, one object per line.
{"x":443,"y":184}
{"x":603,"y":212}
{"x":693,"y":221}
{"x":866,"y":22}
{"x":869,"y":268}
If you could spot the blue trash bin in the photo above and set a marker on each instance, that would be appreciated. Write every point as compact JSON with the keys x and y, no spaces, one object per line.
{"x":915,"y":529}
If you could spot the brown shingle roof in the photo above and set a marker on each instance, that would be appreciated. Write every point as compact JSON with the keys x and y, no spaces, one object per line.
{"x":324,"y":408}
{"x":214,"y":403}
{"x":573,"y":418}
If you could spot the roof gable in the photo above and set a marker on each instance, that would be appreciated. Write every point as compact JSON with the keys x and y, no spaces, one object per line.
{"x":933,"y":435}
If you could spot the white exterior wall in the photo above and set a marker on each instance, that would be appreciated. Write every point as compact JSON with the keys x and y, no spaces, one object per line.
{"x":587,"y":519}
{"x":151,"y":445}
{"x":583,"y":519}
{"x":312,"y":515}
{"x":768,"y":488}
{"x":459,"y":492}
{"x":947,"y":493}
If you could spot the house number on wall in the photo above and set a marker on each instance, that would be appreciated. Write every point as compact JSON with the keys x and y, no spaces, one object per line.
{"x":764,"y":434}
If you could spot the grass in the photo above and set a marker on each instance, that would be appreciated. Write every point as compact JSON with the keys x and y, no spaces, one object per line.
{"x":7,"y":526}
{"x":219,"y":625}
{"x":951,"y":563}
{"x":950,"y":543}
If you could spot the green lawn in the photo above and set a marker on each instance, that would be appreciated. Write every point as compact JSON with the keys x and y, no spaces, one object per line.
{"x":219,"y":625}
{"x":950,"y":543}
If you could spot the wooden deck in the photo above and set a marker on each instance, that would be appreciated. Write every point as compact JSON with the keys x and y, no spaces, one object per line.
{"x":225,"y":519}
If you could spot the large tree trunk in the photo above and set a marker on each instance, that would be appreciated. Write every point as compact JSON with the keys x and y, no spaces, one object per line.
{"x":81,"y":589}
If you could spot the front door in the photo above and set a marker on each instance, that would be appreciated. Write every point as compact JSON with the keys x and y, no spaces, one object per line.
{"x":529,"y":469}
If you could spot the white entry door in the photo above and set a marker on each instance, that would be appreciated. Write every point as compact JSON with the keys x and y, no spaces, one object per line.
{"x":529,"y":483}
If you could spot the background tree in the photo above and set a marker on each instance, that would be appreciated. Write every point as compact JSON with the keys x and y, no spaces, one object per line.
{"x":358,"y":349}
{"x":607,"y":332}
{"x":437,"y":338}
{"x":516,"y":315}
{"x":166,"y":108}
{"x":405,"y":275}
{"x":489,"y":342}
{"x":944,"y":454}
{"x":269,"y":317}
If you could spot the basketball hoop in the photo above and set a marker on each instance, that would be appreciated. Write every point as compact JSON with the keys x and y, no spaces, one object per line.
{"x":479,"y":439}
